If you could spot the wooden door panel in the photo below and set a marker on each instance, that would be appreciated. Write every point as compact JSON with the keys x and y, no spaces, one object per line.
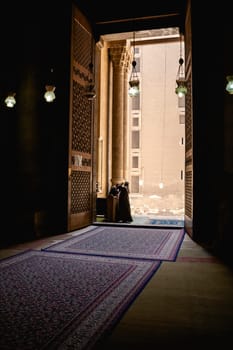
{"x":80,"y":139}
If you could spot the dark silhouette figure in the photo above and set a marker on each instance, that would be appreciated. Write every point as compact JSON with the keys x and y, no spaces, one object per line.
{"x":112,"y":204}
{"x":124,"y":210}
{"x":114,"y":191}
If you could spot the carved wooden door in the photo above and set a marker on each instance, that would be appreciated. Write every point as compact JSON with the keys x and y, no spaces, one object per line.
{"x":80,"y":188}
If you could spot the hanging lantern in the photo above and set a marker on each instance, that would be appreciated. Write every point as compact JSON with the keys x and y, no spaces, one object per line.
{"x":49,"y":94}
{"x":181,"y":88}
{"x":89,"y":89}
{"x":134,"y":81}
{"x":10,"y":101}
{"x":229,"y":86}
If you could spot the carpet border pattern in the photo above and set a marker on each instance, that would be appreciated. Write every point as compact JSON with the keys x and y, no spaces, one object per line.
{"x":166,"y":251}
{"x":98,"y":320}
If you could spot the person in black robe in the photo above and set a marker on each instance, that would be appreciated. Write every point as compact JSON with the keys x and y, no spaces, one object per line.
{"x":124,"y":210}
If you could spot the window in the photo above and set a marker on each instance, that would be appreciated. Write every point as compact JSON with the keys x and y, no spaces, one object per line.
{"x":182,"y":119}
{"x":181,"y":102}
{"x":135,"y":184}
{"x":135,"y":162}
{"x":135,"y":121}
{"x":136,"y":102}
{"x":135,"y":139}
{"x":137,"y":59}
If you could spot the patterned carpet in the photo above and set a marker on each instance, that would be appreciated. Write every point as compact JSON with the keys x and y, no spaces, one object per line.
{"x":127,"y":242}
{"x":65,"y":301}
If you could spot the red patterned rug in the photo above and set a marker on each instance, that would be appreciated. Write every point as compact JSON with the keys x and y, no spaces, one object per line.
{"x":128,"y":242}
{"x":65,"y":301}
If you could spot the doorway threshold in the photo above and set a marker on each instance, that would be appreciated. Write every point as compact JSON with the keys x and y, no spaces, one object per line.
{"x":144,"y":221}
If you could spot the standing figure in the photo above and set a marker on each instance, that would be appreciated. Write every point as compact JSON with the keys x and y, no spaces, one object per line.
{"x":124,"y":210}
{"x":112,"y":204}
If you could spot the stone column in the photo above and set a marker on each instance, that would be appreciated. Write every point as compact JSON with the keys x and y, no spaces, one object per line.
{"x":126,"y":119}
{"x":118,"y":54}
